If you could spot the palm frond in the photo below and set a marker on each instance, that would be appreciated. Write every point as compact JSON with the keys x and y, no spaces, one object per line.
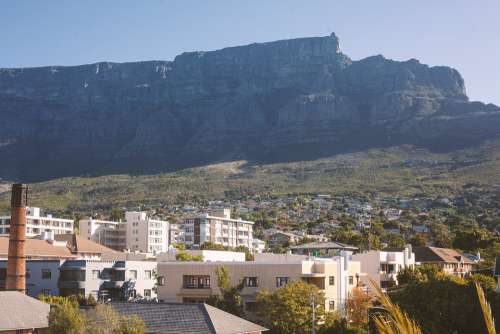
{"x":485,"y":307}
{"x":392,"y":320}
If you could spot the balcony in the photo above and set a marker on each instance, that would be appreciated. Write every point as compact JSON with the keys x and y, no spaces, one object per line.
{"x":71,"y":284}
{"x":196,"y":292}
{"x":112,"y":284}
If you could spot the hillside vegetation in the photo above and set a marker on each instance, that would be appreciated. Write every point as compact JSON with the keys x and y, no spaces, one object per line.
{"x":403,"y":170}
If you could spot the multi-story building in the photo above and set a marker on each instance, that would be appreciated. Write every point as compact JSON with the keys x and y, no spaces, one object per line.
{"x":41,"y":276}
{"x":145,"y":234}
{"x":383,"y":266}
{"x":116,"y":280}
{"x":196,"y":282}
{"x":219,"y":229}
{"x":175,"y":234}
{"x":37,"y":224}
{"x":138,"y":233}
{"x":107,"y":233}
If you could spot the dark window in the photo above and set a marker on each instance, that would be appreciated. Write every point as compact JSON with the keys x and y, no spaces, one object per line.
{"x":351,"y":280}
{"x":147,"y":293}
{"x":251,"y":282}
{"x":332,"y":305}
{"x":331,"y":280}
{"x":280,"y":281}
{"x":46,"y":274}
{"x":196,"y":281}
{"x":161,"y":280}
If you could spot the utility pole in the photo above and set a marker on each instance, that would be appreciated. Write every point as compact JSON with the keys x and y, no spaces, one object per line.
{"x":313,"y":305}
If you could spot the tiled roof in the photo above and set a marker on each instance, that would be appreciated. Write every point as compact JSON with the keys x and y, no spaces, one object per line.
{"x":35,"y":248}
{"x":324,"y":245}
{"x":435,"y":254}
{"x":186,"y":318}
{"x":79,"y":244}
{"x":22,"y":312}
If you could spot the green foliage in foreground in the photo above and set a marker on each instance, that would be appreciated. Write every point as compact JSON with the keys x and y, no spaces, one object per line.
{"x":66,"y":318}
{"x":445,"y":304}
{"x":229,"y":299}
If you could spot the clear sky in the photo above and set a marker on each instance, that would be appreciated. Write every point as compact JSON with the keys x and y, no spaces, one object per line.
{"x":464,"y":34}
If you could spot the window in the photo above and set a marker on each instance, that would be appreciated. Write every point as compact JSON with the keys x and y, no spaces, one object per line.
{"x":147,"y":274}
{"x":331,"y":305}
{"x":280,"y":281}
{"x":133,"y":274}
{"x":196,"y":281}
{"x":251,"y":281}
{"x":46,"y":274}
{"x":28,"y":274}
{"x":331,"y":280}
{"x":95,"y":274}
{"x":161,"y":280}
{"x":147,"y":293}
{"x":46,"y":292}
{"x":351,"y":280}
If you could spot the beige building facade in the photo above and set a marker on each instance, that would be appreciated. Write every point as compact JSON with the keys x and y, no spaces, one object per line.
{"x":196,"y":282}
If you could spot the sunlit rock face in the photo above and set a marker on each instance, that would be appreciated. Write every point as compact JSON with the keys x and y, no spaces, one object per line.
{"x":266,"y":102}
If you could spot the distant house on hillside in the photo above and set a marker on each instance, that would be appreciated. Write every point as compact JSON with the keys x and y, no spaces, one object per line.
{"x":448,"y":260}
{"x":321,"y":249}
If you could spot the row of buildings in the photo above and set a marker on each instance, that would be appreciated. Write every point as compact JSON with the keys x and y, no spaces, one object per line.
{"x":139,"y":232}
{"x":69,"y":264}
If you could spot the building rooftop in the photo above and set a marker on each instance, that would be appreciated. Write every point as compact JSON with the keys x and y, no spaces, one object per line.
{"x":37,"y":248}
{"x":324,"y":245}
{"x":79,"y":244}
{"x":435,"y":254}
{"x":188,"y":318}
{"x":22,"y":312}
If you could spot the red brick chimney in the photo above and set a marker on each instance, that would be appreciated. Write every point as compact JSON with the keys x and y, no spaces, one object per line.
{"x":16,"y":263}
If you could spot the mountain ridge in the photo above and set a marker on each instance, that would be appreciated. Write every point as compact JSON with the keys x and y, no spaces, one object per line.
{"x":264,"y":102}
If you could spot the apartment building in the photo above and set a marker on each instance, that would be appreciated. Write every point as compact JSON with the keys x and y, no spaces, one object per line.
{"x":138,"y":233}
{"x":107,"y":233}
{"x":115,"y":280}
{"x":218,"y":228}
{"x":36,"y":224}
{"x":145,"y":234}
{"x":196,"y":282}
{"x":41,"y":276}
{"x":384,"y":266}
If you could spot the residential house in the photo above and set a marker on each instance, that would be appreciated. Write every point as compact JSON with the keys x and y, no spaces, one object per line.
{"x":449,"y":260}
{"x":322,"y":249}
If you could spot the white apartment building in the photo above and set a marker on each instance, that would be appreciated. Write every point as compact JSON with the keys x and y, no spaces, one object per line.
{"x":219,"y":229}
{"x":383,"y":266}
{"x":107,"y":233}
{"x":37,"y":224}
{"x":138,"y":233}
{"x":144,"y":234}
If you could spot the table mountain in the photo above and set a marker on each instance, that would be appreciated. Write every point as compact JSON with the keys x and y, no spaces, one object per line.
{"x":287,"y":100}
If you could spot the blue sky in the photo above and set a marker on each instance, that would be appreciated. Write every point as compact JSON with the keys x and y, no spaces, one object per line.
{"x":463,"y":34}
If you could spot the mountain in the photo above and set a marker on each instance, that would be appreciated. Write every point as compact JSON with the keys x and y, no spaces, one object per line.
{"x":287,"y":100}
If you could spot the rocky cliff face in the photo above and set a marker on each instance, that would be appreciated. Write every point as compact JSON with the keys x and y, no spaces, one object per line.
{"x":284,"y":100}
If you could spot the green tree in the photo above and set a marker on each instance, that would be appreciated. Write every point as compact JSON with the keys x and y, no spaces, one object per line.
{"x":184,"y":256}
{"x":445,"y":304}
{"x":229,"y":299}
{"x":288,"y":310}
{"x":103,"y":319}
{"x":394,"y":240}
{"x":65,"y":316}
{"x":418,"y":241}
